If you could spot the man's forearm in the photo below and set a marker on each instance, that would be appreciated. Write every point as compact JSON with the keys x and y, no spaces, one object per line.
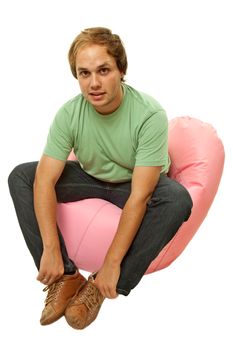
{"x":130,"y":221}
{"x":45,"y":203}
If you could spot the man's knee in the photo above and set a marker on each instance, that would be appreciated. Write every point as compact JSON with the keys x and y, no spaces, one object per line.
{"x":14,"y":176}
{"x":177,"y":199}
{"x":182,"y":202}
{"x":20,"y":173}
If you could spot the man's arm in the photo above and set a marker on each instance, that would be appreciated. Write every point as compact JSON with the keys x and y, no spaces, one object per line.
{"x":144,"y":181}
{"x":47,"y":174}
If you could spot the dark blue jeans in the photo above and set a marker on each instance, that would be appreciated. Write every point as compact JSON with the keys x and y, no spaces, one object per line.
{"x":169,"y":206}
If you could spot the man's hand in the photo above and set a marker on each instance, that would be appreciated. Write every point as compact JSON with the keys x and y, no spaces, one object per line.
{"x":51,"y":267}
{"x":106,"y":280}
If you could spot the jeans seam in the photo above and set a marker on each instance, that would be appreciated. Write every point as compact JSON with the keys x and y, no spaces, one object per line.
{"x":80,"y":185}
{"x":96,"y":186}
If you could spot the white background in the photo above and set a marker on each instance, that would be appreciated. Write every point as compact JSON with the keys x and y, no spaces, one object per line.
{"x":181,"y":53}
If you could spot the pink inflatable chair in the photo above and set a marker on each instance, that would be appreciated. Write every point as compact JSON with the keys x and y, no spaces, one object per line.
{"x":197,"y":159}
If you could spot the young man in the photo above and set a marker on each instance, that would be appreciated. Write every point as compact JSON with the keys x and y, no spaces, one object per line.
{"x":120,"y":137}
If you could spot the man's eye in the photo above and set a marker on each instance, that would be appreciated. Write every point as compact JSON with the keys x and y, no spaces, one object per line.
{"x":104,"y":71}
{"x":84,"y":74}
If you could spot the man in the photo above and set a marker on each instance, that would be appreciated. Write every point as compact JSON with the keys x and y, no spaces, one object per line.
{"x":120,"y":138}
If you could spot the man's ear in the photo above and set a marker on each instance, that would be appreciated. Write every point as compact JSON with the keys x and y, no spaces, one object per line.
{"x":122,"y":75}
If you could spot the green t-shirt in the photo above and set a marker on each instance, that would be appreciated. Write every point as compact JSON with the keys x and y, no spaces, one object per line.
{"x":108,"y":147}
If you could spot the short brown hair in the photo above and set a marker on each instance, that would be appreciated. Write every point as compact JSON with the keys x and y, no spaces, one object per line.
{"x":99,"y":36}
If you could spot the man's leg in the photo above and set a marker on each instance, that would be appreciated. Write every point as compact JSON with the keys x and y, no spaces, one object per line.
{"x":73,"y":185}
{"x":169,"y":206}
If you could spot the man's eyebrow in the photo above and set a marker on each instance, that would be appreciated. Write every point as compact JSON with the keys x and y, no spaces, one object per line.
{"x":105,"y":64}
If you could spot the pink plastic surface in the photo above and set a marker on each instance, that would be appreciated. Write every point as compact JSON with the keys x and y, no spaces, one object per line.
{"x":197,"y":156}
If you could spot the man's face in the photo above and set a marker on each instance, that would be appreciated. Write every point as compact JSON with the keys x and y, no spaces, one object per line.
{"x":99,"y":78}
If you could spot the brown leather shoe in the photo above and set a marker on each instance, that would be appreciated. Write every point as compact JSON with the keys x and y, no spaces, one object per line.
{"x":59,"y":295}
{"x":84,"y":306}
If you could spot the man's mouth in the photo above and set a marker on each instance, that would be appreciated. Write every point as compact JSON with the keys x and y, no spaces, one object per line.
{"x":96,"y":93}
{"x":96,"y":96}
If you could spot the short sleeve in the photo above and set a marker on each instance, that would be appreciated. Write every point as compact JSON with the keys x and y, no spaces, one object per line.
{"x":152,"y":147}
{"x":59,"y":141}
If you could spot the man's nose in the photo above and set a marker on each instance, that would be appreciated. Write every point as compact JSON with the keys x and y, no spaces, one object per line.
{"x":95,"y":81}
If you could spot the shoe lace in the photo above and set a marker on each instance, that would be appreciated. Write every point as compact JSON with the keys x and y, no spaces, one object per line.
{"x":53,"y":291}
{"x":91,"y":297}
